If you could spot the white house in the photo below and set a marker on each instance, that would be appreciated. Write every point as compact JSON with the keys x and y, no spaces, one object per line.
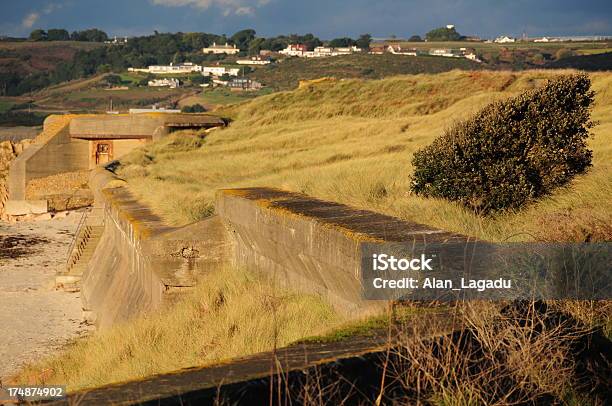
{"x":219,"y":71}
{"x":221,"y":49}
{"x":505,"y":39}
{"x":471,"y":56}
{"x":256,"y":60}
{"x":398,"y":50}
{"x":186,"y":67}
{"x":318,"y":52}
{"x":294,"y":50}
{"x":442,"y":52}
{"x":172,"y":83}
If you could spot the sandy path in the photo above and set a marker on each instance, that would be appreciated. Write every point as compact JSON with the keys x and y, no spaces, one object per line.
{"x":35,"y":319}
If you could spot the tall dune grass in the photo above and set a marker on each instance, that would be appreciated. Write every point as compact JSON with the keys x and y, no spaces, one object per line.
{"x":352,"y":141}
{"x":231,"y":313}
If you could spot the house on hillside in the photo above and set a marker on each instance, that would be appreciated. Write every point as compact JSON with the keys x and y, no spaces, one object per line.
{"x":244,"y":84}
{"x":172,"y":83}
{"x":219,"y":71}
{"x":443,"y":52}
{"x":398,"y":50}
{"x":255,"y":60}
{"x":186,"y":67}
{"x":226,"y":49}
{"x":505,"y":40}
{"x":294,"y":50}
{"x":377,"y":50}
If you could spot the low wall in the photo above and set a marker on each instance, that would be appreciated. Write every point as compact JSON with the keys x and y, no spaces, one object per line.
{"x":304,"y":244}
{"x":310,"y":244}
{"x":140,"y":263}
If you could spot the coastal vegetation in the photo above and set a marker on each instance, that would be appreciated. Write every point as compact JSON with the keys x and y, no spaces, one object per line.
{"x":353,"y":141}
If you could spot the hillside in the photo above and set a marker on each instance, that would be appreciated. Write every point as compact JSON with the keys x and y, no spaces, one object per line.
{"x":595,"y":62}
{"x":352,"y":141}
{"x":288,"y":73}
{"x":32,"y":57}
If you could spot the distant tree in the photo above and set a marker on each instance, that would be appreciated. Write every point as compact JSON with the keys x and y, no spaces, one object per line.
{"x":225,"y":77}
{"x":200,"y":79}
{"x":443,"y":34}
{"x":243,"y":38}
{"x":178,"y":58}
{"x":90,"y":35}
{"x":194,"y":108}
{"x":38,"y":35}
{"x":415,"y":38}
{"x":143,"y":82}
{"x":57,"y":34}
{"x":112,"y":80}
{"x":341,"y":42}
{"x":104,"y":68}
{"x":364,"y":41}
{"x":256,"y":45}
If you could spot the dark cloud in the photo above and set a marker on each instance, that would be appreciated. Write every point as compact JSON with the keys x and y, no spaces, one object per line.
{"x":326,"y":18}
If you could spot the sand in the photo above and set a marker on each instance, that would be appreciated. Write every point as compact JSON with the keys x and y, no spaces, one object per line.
{"x":35,"y":319}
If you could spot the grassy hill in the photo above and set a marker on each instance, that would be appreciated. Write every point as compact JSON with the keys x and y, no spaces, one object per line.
{"x":352,"y":141}
{"x":288,"y":73}
{"x":33,"y":57}
{"x":592,"y":62}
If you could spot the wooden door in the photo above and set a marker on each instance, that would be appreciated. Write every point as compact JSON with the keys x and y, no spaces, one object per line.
{"x":103,"y":152}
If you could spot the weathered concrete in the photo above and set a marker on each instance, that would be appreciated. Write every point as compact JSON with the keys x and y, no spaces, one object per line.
{"x":140,"y":263}
{"x":310,"y":244}
{"x":24,"y":207}
{"x":137,"y":125}
{"x":70,"y":143}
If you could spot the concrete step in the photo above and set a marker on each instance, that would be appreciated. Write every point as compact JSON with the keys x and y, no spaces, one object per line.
{"x":68,"y":283}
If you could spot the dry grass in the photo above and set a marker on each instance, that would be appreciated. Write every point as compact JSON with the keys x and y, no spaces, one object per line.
{"x":231,"y":313}
{"x":352,"y":142}
{"x":523,"y":356}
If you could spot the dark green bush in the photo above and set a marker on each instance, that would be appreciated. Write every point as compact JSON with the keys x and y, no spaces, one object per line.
{"x":512,"y":151}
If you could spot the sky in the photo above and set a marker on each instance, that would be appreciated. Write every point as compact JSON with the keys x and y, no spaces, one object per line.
{"x":325,"y":18}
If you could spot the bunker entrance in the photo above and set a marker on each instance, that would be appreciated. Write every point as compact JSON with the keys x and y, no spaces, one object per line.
{"x":103,"y":152}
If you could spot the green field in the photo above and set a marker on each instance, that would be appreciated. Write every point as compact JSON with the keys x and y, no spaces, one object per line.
{"x":5,"y":105}
{"x":223,"y":97}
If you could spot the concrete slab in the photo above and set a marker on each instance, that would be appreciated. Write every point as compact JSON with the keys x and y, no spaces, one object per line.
{"x":24,"y":207}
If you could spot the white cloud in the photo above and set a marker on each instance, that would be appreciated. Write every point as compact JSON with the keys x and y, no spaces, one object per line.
{"x":30,"y":20}
{"x":228,"y":7}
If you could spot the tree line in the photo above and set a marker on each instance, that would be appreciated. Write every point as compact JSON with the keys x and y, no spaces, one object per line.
{"x":60,"y":34}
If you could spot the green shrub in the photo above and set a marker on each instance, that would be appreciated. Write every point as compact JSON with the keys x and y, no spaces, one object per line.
{"x":512,"y":151}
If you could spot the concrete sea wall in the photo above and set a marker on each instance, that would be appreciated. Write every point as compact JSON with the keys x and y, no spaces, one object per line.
{"x":140,"y":263}
{"x":312,"y":245}
{"x":304,"y":244}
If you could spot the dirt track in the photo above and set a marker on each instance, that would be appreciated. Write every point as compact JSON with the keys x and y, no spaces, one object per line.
{"x":35,"y":319}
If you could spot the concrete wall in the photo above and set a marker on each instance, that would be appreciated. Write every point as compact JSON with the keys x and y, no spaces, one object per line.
{"x":304,"y":244}
{"x":140,"y":263}
{"x":53,"y":152}
{"x":136,"y":125}
{"x":312,"y":245}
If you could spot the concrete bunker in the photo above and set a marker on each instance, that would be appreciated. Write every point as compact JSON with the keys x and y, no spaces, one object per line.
{"x":72,"y":143}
